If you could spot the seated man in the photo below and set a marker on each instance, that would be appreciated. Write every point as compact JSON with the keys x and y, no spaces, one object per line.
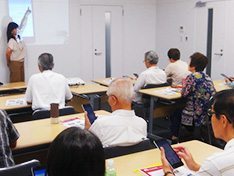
{"x":177,"y":69}
{"x":153,"y":75}
{"x":222,"y":119}
{"x":8,"y":139}
{"x":122,"y":127}
{"x":47,"y":87}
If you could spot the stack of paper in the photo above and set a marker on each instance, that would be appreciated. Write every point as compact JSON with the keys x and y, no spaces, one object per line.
{"x":75,"y":81}
{"x":156,"y":170}
{"x":15,"y":102}
{"x":74,"y":122}
{"x":169,"y":91}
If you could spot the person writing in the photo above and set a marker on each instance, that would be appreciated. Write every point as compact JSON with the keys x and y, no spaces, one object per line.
{"x":222,"y":119}
{"x":16,"y":50}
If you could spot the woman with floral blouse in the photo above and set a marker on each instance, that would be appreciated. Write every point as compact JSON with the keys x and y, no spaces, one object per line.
{"x":197,"y":90}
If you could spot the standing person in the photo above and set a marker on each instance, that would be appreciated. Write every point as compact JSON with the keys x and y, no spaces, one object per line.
{"x":177,"y":69}
{"x":220,"y":163}
{"x":198,"y":89}
{"x":16,"y":50}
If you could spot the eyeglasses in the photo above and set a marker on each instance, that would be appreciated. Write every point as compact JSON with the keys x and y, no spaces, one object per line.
{"x":210,"y":113}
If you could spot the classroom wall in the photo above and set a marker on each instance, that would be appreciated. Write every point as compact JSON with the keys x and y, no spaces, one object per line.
{"x":53,"y":35}
{"x":171,"y":14}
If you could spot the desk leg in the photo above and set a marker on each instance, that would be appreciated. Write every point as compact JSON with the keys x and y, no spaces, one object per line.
{"x":92,"y":98}
{"x":151,"y":116}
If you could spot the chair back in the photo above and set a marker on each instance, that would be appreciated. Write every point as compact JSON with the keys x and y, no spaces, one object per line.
{"x":42,"y":114}
{"x":111,"y":152}
{"x":23,"y":169}
{"x":149,"y":86}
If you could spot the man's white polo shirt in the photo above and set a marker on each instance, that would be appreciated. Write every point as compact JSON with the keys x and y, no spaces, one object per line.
{"x":121,"y":128}
{"x":46,"y":88}
{"x":153,"y":75}
{"x":220,"y":163}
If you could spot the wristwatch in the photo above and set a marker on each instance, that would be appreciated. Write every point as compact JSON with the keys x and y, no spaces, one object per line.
{"x":168,"y":172}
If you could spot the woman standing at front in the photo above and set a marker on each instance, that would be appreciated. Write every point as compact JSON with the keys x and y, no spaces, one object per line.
{"x":16,"y":50}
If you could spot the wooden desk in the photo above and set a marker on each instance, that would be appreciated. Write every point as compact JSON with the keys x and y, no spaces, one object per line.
{"x":219,"y":86}
{"x":89,"y":91}
{"x":12,"y":86}
{"x":3,"y":100}
{"x":88,"y":88}
{"x":40,"y":132}
{"x":156,"y":96}
{"x":126,"y":164}
{"x":106,"y":81}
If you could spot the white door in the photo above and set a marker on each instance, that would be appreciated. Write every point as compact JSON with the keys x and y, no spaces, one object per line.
{"x":94,"y":41}
{"x":218,"y":39}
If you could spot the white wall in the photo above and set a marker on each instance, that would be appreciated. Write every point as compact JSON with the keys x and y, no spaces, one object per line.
{"x":171,"y":14}
{"x":139,"y":34}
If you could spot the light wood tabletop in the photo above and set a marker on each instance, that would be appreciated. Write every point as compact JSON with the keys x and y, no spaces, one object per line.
{"x":125,"y":165}
{"x":152,"y":92}
{"x":39,"y":132}
{"x":88,"y":88}
{"x":3,"y":101}
{"x":11,"y":86}
{"x":107,"y":81}
{"x":220,"y":85}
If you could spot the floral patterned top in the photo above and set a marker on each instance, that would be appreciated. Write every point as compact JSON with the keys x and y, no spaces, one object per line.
{"x":198,"y":89}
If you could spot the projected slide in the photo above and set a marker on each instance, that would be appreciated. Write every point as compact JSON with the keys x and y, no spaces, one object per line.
{"x":48,"y":23}
{"x":17,"y":9}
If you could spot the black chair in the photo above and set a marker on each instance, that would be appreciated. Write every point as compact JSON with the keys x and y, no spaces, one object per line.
{"x":23,"y":169}
{"x":139,"y":108}
{"x":146,"y":98}
{"x":42,"y":114}
{"x":147,"y":144}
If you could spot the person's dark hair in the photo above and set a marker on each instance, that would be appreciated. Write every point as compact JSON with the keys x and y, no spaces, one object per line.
{"x":152,"y":57}
{"x":199,"y":61}
{"x":76,"y":152}
{"x":11,"y":26}
{"x":174,"y":54}
{"x":224,"y":104}
{"x":46,"y":61}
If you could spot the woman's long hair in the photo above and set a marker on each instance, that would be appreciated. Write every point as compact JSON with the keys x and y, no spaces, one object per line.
{"x":11,"y":26}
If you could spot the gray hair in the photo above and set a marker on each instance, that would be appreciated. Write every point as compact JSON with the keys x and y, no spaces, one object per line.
{"x":46,"y":61}
{"x":152,"y":57}
{"x":122,"y":88}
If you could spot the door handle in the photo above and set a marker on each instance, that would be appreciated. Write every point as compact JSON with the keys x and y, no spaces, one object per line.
{"x":218,"y":54}
{"x":97,"y":54}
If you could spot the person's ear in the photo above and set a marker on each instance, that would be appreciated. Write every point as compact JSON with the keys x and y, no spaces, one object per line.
{"x":115,"y":100}
{"x":224,"y":120}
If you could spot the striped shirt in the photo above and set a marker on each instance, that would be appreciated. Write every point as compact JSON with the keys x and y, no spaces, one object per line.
{"x":220,"y":163}
{"x":8,"y":134}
